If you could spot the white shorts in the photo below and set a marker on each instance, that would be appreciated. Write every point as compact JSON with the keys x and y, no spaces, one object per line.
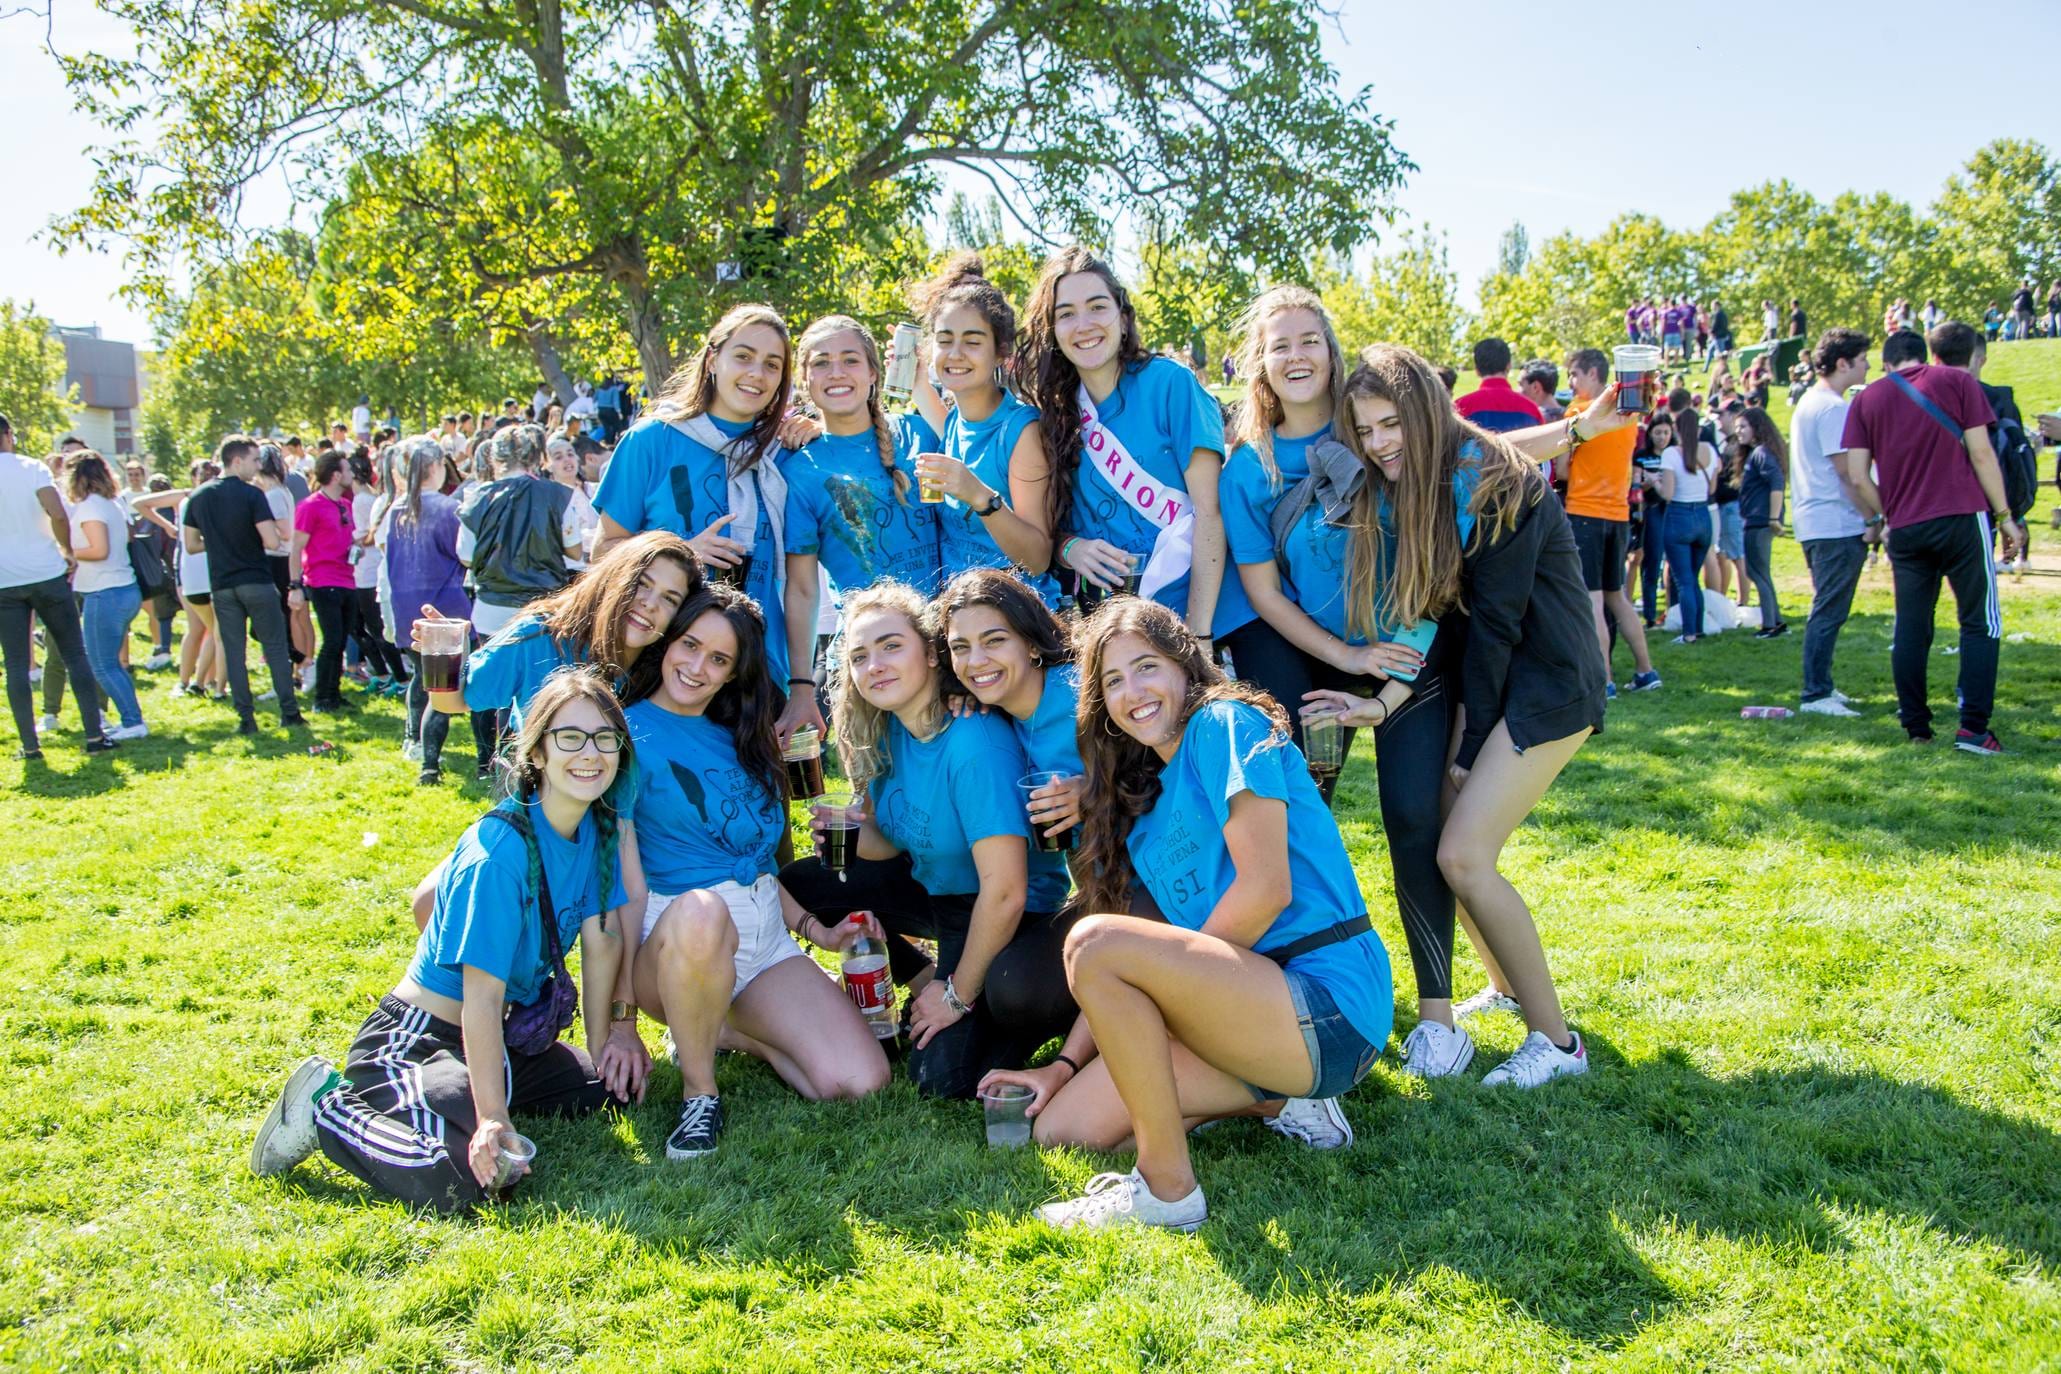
{"x":763,"y":939}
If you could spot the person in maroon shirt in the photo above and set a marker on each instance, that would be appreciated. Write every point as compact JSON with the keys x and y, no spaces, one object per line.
{"x":1924,"y":432}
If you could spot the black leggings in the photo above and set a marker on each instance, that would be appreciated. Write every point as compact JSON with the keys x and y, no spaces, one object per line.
{"x":1409,"y":768}
{"x":1024,"y":1000}
{"x":363,"y":622}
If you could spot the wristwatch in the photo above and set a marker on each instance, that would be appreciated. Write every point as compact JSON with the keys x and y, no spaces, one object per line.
{"x":622,"y":1011}
{"x":994,"y":504}
{"x":959,"y":1008}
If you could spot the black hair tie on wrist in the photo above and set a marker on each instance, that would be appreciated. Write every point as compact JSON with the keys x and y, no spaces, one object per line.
{"x":1062,"y":1059}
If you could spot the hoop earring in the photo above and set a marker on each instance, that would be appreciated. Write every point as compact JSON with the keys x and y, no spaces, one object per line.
{"x":1109,"y":728}
{"x":1001,"y":378}
{"x":1037,"y":662}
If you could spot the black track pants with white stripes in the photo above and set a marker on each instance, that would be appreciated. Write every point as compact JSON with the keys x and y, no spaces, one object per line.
{"x":403,"y":1121}
{"x":1955,"y":548}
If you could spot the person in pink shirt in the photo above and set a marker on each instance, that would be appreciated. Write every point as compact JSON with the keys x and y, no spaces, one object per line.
{"x":319,"y":570}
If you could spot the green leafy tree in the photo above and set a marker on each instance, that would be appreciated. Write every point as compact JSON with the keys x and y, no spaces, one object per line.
{"x":1513,"y":250}
{"x":1999,"y":222}
{"x":33,"y":395}
{"x":660,"y":161}
{"x":1408,"y":296}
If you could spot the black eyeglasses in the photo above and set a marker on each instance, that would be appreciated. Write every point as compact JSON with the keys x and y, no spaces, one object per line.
{"x":570,"y":739}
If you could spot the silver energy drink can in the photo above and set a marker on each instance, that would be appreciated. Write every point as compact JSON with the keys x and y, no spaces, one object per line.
{"x":901,"y":364}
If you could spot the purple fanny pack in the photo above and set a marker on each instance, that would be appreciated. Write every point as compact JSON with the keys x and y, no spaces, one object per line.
{"x":534,"y":1027}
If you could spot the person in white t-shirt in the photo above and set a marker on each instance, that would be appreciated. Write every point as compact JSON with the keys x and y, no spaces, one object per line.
{"x":361,"y":420}
{"x":1829,"y":525}
{"x":562,"y":461}
{"x":1685,"y":485}
{"x":106,"y":585}
{"x":35,"y":565}
{"x":203,"y":668}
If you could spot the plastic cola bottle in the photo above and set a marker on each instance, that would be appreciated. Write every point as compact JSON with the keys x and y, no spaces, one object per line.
{"x":868,"y":982}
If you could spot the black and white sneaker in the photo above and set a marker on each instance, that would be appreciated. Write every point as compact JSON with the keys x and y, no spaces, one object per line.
{"x":701,"y":1126}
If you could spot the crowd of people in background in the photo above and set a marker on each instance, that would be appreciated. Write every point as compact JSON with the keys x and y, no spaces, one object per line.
{"x":1090,"y":646}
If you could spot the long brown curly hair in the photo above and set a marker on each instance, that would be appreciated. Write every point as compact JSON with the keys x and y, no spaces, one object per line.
{"x":1424,"y":581}
{"x":1050,"y":381}
{"x":589,"y":611}
{"x":692,"y":388}
{"x":1122,"y":774}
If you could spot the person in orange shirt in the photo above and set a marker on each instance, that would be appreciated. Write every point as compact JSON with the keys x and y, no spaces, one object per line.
{"x":1599,"y":478}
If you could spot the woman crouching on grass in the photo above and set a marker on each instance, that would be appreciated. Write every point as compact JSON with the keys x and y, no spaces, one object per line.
{"x":717,"y":932}
{"x":1267,"y":980}
{"x":469,"y":1036}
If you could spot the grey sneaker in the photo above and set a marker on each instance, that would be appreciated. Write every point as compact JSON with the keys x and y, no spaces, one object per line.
{"x":1317,"y":1122}
{"x":288,"y":1134}
{"x":700,"y":1128}
{"x":1435,"y":1051}
{"x":1488,"y":999}
{"x":1124,"y":1200}
{"x":1828,"y":706}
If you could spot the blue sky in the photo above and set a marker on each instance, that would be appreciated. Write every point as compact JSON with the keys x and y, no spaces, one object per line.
{"x":1512,"y":111}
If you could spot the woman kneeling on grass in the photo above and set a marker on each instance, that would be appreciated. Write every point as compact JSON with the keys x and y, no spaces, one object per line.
{"x":470,"y":1034}
{"x":717,"y":930}
{"x":1267,"y":981}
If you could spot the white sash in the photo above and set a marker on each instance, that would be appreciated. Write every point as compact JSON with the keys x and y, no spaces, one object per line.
{"x":1165,"y":506}
{"x":744,"y":490}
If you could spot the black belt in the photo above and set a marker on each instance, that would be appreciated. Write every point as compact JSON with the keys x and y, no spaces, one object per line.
{"x":1330,"y":935}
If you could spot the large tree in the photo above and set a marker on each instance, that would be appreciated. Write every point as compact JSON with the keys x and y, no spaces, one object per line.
{"x":33,"y":395}
{"x":658,"y":158}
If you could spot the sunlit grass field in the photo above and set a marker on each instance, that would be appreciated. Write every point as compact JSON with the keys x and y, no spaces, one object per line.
{"x":1818,"y":969}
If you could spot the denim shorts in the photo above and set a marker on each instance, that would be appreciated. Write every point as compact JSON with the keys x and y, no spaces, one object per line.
{"x":1340,"y":1055}
{"x":1731,"y":530}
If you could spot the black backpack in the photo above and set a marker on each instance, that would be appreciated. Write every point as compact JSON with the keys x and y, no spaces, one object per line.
{"x":2016,"y":454}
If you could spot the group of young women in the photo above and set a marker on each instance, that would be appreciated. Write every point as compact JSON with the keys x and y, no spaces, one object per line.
{"x":1038,"y":655}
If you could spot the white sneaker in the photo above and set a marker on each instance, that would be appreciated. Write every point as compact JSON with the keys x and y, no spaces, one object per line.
{"x":412,"y":751}
{"x":1537,"y":1060}
{"x":1842,"y":698}
{"x":127,"y":732}
{"x":288,"y":1134}
{"x":157,"y":662}
{"x":2018,"y":568}
{"x":36,"y":676}
{"x":46,"y":725}
{"x":267,"y":695}
{"x":307,"y":682}
{"x":1829,"y":706}
{"x":2003,"y":565}
{"x":1488,"y":999}
{"x":1435,"y":1051}
{"x":1317,"y":1122}
{"x":1124,"y":1200}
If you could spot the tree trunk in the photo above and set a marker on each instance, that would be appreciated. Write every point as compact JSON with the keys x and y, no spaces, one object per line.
{"x":641,"y":316}
{"x":545,"y":350}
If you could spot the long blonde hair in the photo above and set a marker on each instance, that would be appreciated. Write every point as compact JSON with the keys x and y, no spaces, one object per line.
{"x":883,"y":437}
{"x":1420,"y":579}
{"x":692,"y":388}
{"x":1261,"y":413}
{"x":860,"y":725}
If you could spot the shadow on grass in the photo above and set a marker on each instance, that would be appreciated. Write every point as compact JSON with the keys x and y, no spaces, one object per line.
{"x":1536,"y":1196}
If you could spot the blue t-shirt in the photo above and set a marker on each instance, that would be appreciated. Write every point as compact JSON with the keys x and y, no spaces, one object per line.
{"x":1050,"y":741}
{"x":1314,"y":560}
{"x":487,"y":916}
{"x":842,"y":507}
{"x":942,"y":795}
{"x":1178,"y":851}
{"x":506,"y":671}
{"x":1161,"y":414}
{"x":660,"y":479}
{"x":1758,"y":483}
{"x":984,"y":446}
{"x":701,"y":819}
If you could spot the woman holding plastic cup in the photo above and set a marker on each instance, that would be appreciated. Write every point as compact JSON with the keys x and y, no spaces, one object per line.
{"x":852,"y":502}
{"x":1015,"y":657}
{"x":942,"y":851}
{"x":1134,"y":446}
{"x":991,"y":467}
{"x":1264,"y":982}
{"x":716,"y":939}
{"x":469,"y":1036}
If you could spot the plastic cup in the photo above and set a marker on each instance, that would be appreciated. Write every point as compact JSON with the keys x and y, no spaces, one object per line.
{"x":1323,"y":745}
{"x":734,"y":576}
{"x":516,"y":1154}
{"x":1092,"y":595}
{"x":1040,"y":841}
{"x":1636,"y":366}
{"x":1004,"y":1106}
{"x":442,"y":644}
{"x":930,"y":489}
{"x":840,"y":839}
{"x":804,"y":758}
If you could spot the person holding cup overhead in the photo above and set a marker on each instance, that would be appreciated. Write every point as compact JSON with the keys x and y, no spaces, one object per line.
{"x":469,"y":1036}
{"x":942,"y":851}
{"x":705,"y":463}
{"x":1014,"y":656}
{"x":852,"y":503}
{"x":1134,"y":446}
{"x":714,"y":942}
{"x":1264,"y":982}
{"x":991,"y":466}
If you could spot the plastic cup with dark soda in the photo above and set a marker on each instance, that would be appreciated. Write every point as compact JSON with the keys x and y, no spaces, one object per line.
{"x":839,"y":820}
{"x":1637,"y":365}
{"x":1040,"y":841}
{"x":442,"y":644}
{"x":1323,"y":745}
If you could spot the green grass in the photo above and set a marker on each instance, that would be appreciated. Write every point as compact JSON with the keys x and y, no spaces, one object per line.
{"x":1819,"y":971}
